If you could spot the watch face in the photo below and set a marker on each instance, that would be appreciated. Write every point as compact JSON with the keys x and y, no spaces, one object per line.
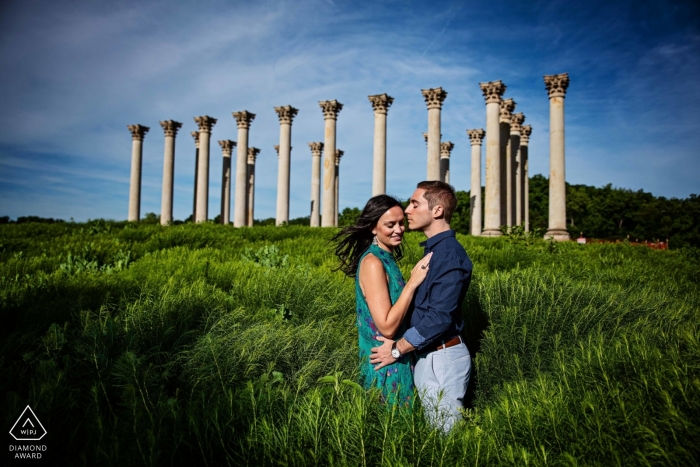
{"x":395,"y":353}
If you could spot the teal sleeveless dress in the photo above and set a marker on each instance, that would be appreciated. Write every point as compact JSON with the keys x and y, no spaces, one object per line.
{"x":395,"y":380}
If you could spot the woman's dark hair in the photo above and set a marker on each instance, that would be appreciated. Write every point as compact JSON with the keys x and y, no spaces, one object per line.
{"x":353,"y":240}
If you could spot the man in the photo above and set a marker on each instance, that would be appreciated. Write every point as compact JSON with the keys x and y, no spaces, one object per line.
{"x":443,"y":362}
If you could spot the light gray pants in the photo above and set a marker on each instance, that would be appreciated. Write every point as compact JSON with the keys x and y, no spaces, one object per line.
{"x":441,"y":378}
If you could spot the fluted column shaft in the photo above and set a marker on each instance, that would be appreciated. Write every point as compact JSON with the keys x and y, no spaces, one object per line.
{"x":170,"y":127}
{"x":286,"y":115}
{"x":315,"y":216}
{"x":556,"y":87}
{"x":205,"y":125}
{"x":476,"y":137}
{"x":137,"y":134}
{"x":493,"y":91}
{"x":250,"y":207}
{"x":381,"y":104}
{"x":518,"y":188}
{"x":240,"y":202}
{"x":434,"y":97}
{"x":226,"y":150}
{"x":514,"y":145}
{"x":445,"y":152}
{"x":525,"y":132}
{"x":338,"y":156}
{"x":195,"y":135}
{"x":330,"y":115}
{"x":506,"y":112}
{"x":526,"y":188}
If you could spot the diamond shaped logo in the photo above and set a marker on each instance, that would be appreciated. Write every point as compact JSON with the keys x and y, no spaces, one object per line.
{"x":28,"y":427}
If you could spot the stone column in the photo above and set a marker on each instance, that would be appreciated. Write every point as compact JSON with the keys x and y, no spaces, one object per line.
{"x":137,"y":134}
{"x":338,"y":156}
{"x":250,"y":213}
{"x":195,"y":135}
{"x":493,"y":90}
{"x":434,"y":97}
{"x":170,"y":127}
{"x":525,"y":132}
{"x":445,"y":151}
{"x":240,"y":208}
{"x":315,"y":216}
{"x":226,"y":149}
{"x":506,"y":112}
{"x":476,"y":137}
{"x":512,"y":191}
{"x":380,"y":104}
{"x":330,"y":115}
{"x":286,"y":114}
{"x":206,"y":123}
{"x":556,"y":88}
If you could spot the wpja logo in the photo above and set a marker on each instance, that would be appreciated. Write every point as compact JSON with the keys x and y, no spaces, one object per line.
{"x":28,"y":428}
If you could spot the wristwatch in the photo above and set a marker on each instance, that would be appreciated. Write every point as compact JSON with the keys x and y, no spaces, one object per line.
{"x":395,"y":352}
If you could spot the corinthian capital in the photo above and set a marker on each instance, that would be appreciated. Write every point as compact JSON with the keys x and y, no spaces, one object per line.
{"x":138,"y":131}
{"x":286,"y":114}
{"x":434,"y":97}
{"x":476,"y":136}
{"x":195,"y":136}
{"x":507,"y":107}
{"x":316,"y":148}
{"x":170,"y":127}
{"x":446,"y":148}
{"x":252,"y":155}
{"x":381,"y":103}
{"x":556,"y":84}
{"x":227,"y":147}
{"x":338,"y":155}
{"x":515,"y":121}
{"x":493,"y":91}
{"x":243,"y":118}
{"x":330,"y":109}
{"x":525,"y":132}
{"x":205,"y":122}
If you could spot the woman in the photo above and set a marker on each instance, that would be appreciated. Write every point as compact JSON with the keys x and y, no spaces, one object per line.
{"x":368,"y":251}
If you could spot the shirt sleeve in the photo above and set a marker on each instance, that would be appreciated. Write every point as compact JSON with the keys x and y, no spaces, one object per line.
{"x":414,"y":338}
{"x":443,"y":299}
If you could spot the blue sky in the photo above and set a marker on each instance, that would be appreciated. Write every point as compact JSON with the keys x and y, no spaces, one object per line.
{"x":73,"y":75}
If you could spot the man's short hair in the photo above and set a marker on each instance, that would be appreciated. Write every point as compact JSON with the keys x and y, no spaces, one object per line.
{"x":440,"y":193}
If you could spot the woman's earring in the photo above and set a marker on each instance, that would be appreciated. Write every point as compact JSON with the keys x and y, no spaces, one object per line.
{"x":374,"y":241}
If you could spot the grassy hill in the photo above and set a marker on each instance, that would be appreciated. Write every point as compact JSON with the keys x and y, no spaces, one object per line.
{"x":207,"y":345}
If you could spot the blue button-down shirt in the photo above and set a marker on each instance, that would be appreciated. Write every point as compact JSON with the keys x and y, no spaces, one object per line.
{"x":436,"y":303}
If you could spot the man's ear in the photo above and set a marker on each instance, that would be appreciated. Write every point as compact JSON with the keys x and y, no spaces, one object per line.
{"x":438,"y":212}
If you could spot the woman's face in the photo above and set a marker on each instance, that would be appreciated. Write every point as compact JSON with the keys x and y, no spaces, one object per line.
{"x":390,"y":228}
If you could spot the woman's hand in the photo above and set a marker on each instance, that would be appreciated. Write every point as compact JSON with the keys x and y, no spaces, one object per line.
{"x":420,"y":271}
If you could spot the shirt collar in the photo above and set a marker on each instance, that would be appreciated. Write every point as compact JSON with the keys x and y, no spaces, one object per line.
{"x":430,"y":243}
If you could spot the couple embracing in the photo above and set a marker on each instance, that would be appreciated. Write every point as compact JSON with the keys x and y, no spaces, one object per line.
{"x":409,"y":332}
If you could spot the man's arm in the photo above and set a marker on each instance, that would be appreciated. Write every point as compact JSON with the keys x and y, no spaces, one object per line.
{"x":445,"y":293}
{"x":443,"y":298}
{"x":381,"y":356}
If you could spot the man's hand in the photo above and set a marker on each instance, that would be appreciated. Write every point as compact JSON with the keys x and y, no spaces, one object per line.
{"x":382,"y":355}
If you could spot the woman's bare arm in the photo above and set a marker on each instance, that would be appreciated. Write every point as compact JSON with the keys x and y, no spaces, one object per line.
{"x":373,"y":283}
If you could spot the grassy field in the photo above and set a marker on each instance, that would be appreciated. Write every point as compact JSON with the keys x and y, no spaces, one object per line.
{"x":205,"y":345}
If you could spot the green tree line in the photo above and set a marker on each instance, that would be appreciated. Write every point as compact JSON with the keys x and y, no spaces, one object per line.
{"x":602,"y":213}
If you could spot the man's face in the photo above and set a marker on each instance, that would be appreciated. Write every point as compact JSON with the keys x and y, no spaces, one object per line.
{"x":419,"y":214}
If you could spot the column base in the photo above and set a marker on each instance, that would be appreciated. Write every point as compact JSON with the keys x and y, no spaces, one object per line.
{"x":560,"y":235}
{"x":491,"y":233}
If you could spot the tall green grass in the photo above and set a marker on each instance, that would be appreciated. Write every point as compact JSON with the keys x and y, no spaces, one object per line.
{"x":205,"y":345}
